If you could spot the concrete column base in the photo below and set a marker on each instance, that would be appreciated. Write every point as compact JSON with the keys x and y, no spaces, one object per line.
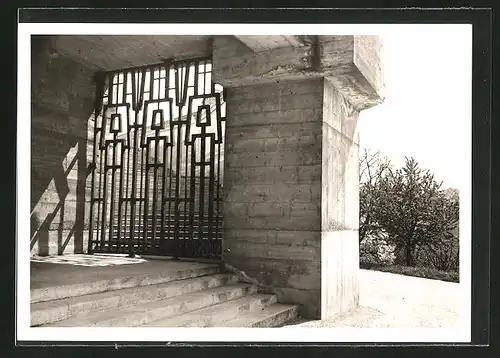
{"x":339,"y":272}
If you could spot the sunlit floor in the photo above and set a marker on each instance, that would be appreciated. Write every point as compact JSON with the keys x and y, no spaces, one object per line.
{"x":89,"y":260}
{"x":51,"y":271}
{"x":395,"y":301}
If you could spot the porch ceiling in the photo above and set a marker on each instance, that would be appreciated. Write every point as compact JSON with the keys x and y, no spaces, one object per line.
{"x":114,"y":52}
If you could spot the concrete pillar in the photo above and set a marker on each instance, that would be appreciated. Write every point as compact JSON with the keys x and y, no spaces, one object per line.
{"x":291,"y":164}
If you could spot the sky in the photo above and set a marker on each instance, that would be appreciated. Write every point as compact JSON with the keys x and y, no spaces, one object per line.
{"x":427,"y":108}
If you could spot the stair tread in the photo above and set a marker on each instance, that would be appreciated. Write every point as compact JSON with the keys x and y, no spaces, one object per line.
{"x":103,"y":279}
{"x":251,"y":318}
{"x":215,"y":314}
{"x":73,"y":306}
{"x":124,"y":291}
{"x":146,"y":311}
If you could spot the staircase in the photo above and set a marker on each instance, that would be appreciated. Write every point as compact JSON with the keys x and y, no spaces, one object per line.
{"x":194,"y":295}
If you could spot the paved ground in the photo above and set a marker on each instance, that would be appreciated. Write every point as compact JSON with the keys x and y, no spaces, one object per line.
{"x":386,"y":300}
{"x":52,"y":271}
{"x":395,"y":301}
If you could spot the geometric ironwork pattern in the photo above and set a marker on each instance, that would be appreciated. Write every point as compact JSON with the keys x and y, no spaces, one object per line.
{"x":157,"y":171}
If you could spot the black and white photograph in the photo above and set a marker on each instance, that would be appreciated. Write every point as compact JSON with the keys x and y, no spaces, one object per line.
{"x":272,"y":182}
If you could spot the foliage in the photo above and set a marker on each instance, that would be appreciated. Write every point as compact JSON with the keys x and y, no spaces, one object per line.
{"x":372,"y":170}
{"x":405,"y":216}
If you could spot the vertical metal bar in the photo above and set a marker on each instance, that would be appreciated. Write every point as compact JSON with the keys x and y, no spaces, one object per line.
{"x":155,"y":176}
{"x":105,"y":199}
{"x":185,"y":147}
{"x":100,"y":194}
{"x":136,"y":102}
{"x":202,"y":183}
{"x":218,"y":197}
{"x":181,"y":81}
{"x":126,"y":170}
{"x":170,"y":232}
{"x":133,"y":191}
{"x":146,"y":194}
{"x":155,"y":180}
{"x":122,"y":216}
{"x":177,"y":191}
{"x":92,"y":197}
{"x":211,"y":189}
{"x":165,"y":163}
{"x":105,"y":174}
{"x":196,"y":74}
{"x":192,"y":195}
{"x":162,"y":199}
{"x":99,"y":92}
{"x":112,"y":204}
{"x":120,"y":196}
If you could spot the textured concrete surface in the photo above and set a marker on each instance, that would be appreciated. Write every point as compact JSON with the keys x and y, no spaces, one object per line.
{"x":51,"y":280}
{"x":291,"y":166}
{"x":218,"y":315}
{"x":396,"y":301}
{"x":114,"y":52}
{"x":113,"y":291}
{"x":264,"y":43}
{"x":62,"y":94}
{"x":272,"y":187}
{"x":339,"y":205}
{"x":133,"y":307}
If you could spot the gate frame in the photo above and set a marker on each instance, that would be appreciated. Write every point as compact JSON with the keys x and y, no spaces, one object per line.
{"x":182,"y":144}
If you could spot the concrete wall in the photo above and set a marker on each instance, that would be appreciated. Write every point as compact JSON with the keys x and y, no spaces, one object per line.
{"x":62,"y":102}
{"x":272,"y":187}
{"x":339,"y":204}
{"x":291,"y":199}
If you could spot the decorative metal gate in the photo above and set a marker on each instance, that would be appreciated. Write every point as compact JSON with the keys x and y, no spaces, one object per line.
{"x":157,"y":171}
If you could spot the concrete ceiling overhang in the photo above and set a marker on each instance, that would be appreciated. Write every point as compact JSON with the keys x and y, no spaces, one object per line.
{"x":351,"y":63}
{"x":113,"y":52}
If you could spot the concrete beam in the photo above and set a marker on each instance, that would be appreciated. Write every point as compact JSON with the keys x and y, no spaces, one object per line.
{"x":360,"y":75}
{"x":351,"y":63}
{"x":264,"y":43}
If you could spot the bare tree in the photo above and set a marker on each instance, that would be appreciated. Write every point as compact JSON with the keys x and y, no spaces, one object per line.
{"x":372,"y":170}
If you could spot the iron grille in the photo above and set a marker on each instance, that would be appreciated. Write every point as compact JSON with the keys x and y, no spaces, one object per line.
{"x":157,"y":170}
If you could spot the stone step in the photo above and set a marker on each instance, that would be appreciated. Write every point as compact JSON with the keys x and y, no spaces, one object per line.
{"x":53,"y":311}
{"x":274,"y":315}
{"x":218,"y":314}
{"x":154,"y":311}
{"x":57,"y":292}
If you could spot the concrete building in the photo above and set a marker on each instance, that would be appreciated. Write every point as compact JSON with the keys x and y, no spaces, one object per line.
{"x":241,"y":150}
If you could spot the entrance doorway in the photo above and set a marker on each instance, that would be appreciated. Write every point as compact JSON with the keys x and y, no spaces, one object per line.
{"x":156,"y":180}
